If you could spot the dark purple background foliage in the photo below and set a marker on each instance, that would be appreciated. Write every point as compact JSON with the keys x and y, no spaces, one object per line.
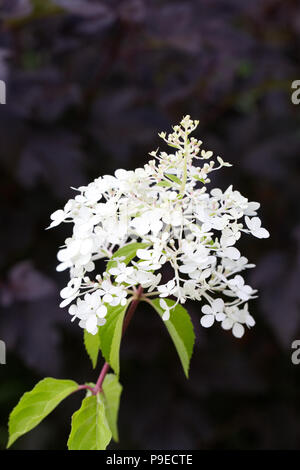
{"x":89,"y":85}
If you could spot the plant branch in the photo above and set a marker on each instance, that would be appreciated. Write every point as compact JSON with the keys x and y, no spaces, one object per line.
{"x":132,"y":308}
{"x":128,"y":317}
{"x":85,"y":387}
{"x":98,"y":386}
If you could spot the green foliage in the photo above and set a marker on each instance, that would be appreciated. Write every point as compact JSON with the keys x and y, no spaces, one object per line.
{"x":35,"y":405}
{"x":128,"y":251}
{"x":90,"y":429}
{"x":181,"y":331}
{"x":112,"y":390}
{"x":166,"y":184}
{"x":92,"y":346}
{"x":95,"y":423}
{"x":111,"y":334}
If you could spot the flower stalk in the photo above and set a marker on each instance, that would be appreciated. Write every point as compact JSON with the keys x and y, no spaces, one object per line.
{"x":184,"y":176}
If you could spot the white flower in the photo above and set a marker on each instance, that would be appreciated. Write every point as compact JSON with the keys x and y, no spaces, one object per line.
{"x":229,"y":237}
{"x":106,"y":291}
{"x":212,"y":312}
{"x":235,"y":320}
{"x":70,"y":292}
{"x":122,"y":272}
{"x":238,"y":286}
{"x":90,"y":311}
{"x":174,"y":217}
{"x":113,"y":294}
{"x":149,"y":221}
{"x":145,"y":279}
{"x":119,"y":294}
{"x":254,"y":225}
{"x":231,"y":252}
{"x":195,"y":258}
{"x":167,"y":289}
{"x":152,"y":259}
{"x":252,"y":208}
{"x":236,"y":265}
{"x":58,"y":217}
{"x":71,"y":289}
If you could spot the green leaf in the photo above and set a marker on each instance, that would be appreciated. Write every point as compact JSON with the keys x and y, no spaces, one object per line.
{"x":128,"y":251}
{"x":200,"y":179}
{"x":181,"y":331}
{"x":35,"y":405}
{"x":90,"y":429}
{"x":173,"y":178}
{"x":92,"y":346}
{"x":173,"y":145}
{"x":166,"y":184}
{"x":111,"y":334}
{"x":112,"y":390}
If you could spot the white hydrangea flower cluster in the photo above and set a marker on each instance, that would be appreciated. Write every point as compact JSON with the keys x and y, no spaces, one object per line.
{"x":166,"y":206}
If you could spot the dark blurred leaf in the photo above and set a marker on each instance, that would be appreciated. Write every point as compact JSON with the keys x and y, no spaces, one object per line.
{"x":15,"y":8}
{"x":48,"y":158}
{"x":88,"y":8}
{"x":25,"y":283}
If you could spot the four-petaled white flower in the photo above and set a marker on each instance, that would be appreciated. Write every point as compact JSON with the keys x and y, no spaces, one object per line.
{"x":166,"y":290}
{"x":122,"y":272}
{"x":238,"y":286}
{"x":235,"y":320}
{"x":91,"y":312}
{"x":213,"y":312}
{"x":254,"y":225}
{"x":69,"y":293}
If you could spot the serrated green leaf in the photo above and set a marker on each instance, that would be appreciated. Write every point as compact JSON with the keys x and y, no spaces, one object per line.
{"x":111,"y":334}
{"x":90,"y":429}
{"x":181,"y":331}
{"x":112,"y":390}
{"x":92,"y":346}
{"x":173,"y":178}
{"x":127,"y":251}
{"x":35,"y":405}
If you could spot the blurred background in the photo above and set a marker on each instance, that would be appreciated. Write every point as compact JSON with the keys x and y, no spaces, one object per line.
{"x":89,"y":86}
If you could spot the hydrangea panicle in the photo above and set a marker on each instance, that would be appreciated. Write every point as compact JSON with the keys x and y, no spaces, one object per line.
{"x":166,"y":206}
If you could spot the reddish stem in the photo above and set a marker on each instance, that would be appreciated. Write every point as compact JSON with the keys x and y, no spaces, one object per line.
{"x":128,"y":317}
{"x":98,"y":386}
{"x":85,"y":387}
{"x":132,"y":309}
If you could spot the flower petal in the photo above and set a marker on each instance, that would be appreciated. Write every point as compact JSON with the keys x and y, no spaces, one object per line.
{"x":207,"y":321}
{"x":238,"y":330}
